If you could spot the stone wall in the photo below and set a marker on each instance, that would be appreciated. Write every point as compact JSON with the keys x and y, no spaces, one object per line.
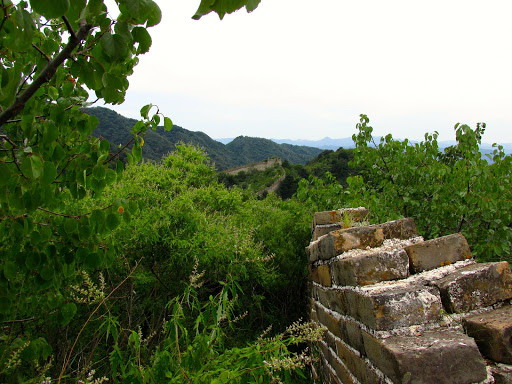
{"x":399,"y":309}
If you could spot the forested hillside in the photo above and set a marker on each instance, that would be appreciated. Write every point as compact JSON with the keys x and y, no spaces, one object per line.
{"x":243,"y":150}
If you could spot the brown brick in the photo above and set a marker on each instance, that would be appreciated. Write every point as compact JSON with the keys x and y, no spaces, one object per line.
{"x":357,"y":365}
{"x":370,"y":267}
{"x":434,"y":357}
{"x":492,"y":332}
{"x":321,"y":275}
{"x":438,"y":252}
{"x":476,"y":286}
{"x":337,"y":216}
{"x":351,"y":334}
{"x":332,"y":298}
{"x":337,"y":242}
{"x":331,"y":322}
{"x":394,"y":306}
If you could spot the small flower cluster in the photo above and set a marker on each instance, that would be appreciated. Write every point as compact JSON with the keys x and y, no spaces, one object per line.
{"x":195,"y":277}
{"x":88,"y":292}
{"x":291,"y":363}
{"x":15,"y":360}
{"x":303,"y":332}
{"x":91,"y":380}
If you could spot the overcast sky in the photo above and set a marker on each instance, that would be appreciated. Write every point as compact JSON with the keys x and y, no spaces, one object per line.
{"x":305,"y":70}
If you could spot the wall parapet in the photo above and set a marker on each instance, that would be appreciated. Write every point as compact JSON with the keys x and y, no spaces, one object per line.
{"x":399,"y":309}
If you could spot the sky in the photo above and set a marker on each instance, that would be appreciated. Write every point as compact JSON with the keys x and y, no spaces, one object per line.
{"x":299,"y":69}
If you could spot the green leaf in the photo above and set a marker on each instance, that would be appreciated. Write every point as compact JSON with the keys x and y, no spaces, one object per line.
{"x":167,"y":124}
{"x":112,"y":221}
{"x":49,"y":174}
{"x":67,"y":312}
{"x":93,"y":260}
{"x":145,"y":110}
{"x":155,"y":15}
{"x":32,"y":166}
{"x":141,"y":36}
{"x":50,"y":9}
{"x":99,"y":172}
{"x":53,"y":93}
{"x":71,"y":226}
{"x":114,"y":46}
{"x":10,"y":270}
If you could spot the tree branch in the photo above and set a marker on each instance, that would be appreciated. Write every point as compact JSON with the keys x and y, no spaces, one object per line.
{"x":46,"y":75}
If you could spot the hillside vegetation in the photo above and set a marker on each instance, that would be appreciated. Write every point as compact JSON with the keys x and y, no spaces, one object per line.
{"x":242,"y":150}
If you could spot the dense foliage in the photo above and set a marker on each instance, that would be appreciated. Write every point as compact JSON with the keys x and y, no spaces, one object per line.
{"x":101,"y":268}
{"x":445,"y":191}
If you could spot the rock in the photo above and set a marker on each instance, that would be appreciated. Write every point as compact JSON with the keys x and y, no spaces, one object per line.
{"x":438,"y":252}
{"x":434,"y":357}
{"x":394,"y":306}
{"x":475,"y":286}
{"x":321,"y":275}
{"x":337,"y":242}
{"x":364,"y":372}
{"x":501,"y":373}
{"x":338,"y":216}
{"x":492,"y":332}
{"x":370,"y":267}
{"x":321,"y":230}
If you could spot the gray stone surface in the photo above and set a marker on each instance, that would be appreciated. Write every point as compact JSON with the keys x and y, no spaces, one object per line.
{"x":357,"y":366}
{"x":501,"y":373}
{"x":434,"y":357}
{"x":370,"y":267}
{"x":321,"y":230}
{"x":492,"y":332}
{"x":438,"y":252}
{"x":475,"y":286}
{"x":392,"y":307}
{"x":337,"y":242}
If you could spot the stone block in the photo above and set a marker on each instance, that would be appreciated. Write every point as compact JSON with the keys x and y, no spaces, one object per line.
{"x":492,"y":332}
{"x":337,"y":216}
{"x":337,"y":242}
{"x":321,"y":274}
{"x":434,"y":357}
{"x":325,"y":318}
{"x":352,"y":334}
{"x":342,"y":372}
{"x":321,"y":230}
{"x":332,"y":298}
{"x":475,"y":286}
{"x":438,"y":252}
{"x":394,"y":306}
{"x":365,"y":267}
{"x":362,"y":371}
{"x":501,"y":373}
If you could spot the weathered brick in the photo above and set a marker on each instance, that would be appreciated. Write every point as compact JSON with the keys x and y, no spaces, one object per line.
{"x":357,"y":365}
{"x":342,"y":372}
{"x":476,"y":286}
{"x":434,"y":357}
{"x":394,"y":305}
{"x":337,"y":242}
{"x":438,"y":252}
{"x":492,"y":332}
{"x":370,"y":266}
{"x":337,"y":216}
{"x":501,"y":373}
{"x":351,"y":334}
{"x":321,"y":230}
{"x":321,"y":274}
{"x":331,"y":322}
{"x":332,"y":298}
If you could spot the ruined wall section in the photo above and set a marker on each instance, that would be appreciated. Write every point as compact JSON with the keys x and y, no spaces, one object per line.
{"x":259,"y":166}
{"x":399,"y":309}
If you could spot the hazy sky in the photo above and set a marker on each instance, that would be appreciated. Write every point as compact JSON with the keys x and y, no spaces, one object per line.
{"x":305,"y":70}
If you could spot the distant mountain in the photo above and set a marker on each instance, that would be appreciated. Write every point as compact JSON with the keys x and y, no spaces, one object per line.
{"x":240,"y":151}
{"x":325,"y":143}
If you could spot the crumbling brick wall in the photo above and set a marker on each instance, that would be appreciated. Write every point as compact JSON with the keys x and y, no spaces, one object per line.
{"x":399,"y":309}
